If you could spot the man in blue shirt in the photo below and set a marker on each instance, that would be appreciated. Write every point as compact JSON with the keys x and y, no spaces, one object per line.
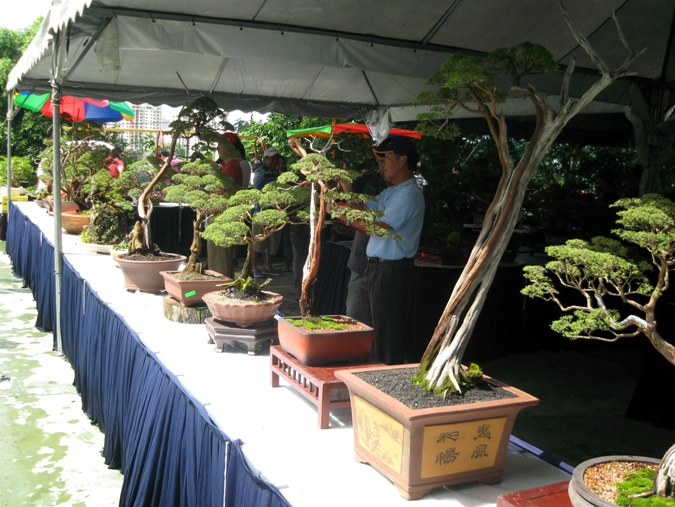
{"x":390,"y":276}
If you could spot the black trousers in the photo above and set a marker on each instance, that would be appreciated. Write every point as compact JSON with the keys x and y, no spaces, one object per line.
{"x":390,"y":287}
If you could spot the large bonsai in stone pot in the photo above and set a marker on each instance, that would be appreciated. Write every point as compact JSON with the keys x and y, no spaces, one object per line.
{"x":620,"y":283}
{"x":475,"y":85}
{"x":439,"y":445}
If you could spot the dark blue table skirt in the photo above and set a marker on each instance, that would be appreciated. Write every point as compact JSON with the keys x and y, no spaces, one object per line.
{"x":162,"y":439}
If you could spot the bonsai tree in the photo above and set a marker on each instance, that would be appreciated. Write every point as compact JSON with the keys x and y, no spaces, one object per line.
{"x":202,"y":119}
{"x":80,"y":160}
{"x":112,"y":213}
{"x":471,"y":84}
{"x":270,"y":209}
{"x":205,"y":189}
{"x":325,"y":179}
{"x":606,"y":270}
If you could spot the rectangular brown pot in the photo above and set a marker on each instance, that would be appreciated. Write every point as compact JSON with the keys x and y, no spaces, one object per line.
{"x":419,"y":450}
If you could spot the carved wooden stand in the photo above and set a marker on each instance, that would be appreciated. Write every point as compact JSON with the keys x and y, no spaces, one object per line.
{"x":227,"y":335}
{"x":316,"y":383}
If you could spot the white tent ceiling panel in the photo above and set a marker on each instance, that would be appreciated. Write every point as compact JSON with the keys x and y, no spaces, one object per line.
{"x":323,"y":57}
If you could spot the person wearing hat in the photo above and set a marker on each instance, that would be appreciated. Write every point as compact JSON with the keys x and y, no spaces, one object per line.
{"x":264,"y":174}
{"x":114,"y":163}
{"x":389,"y":275}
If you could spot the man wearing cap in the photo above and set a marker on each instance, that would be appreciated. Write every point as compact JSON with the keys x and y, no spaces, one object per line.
{"x":389,"y":276}
{"x":263,"y":175}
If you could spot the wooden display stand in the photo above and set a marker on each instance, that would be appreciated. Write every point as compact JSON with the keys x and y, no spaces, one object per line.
{"x":316,"y":383}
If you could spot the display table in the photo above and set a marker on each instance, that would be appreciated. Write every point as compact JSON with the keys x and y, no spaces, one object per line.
{"x":316,"y":383}
{"x":190,"y":427}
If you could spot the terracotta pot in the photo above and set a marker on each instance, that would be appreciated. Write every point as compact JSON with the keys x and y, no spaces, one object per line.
{"x":190,"y":292}
{"x":314,"y":348}
{"x":581,"y":496}
{"x":243,"y":315}
{"x":74,"y":222}
{"x":144,"y":275}
{"x":66,"y":206}
{"x":433,"y":447}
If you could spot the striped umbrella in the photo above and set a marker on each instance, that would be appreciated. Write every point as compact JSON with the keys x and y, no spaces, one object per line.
{"x":75,"y":109}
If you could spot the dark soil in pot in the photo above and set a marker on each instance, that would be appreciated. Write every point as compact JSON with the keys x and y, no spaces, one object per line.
{"x":397,"y":384}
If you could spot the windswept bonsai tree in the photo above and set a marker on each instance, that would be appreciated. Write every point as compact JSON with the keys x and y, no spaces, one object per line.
{"x":606,"y":270}
{"x":203,"y":119}
{"x":205,"y":189}
{"x":471,"y":84}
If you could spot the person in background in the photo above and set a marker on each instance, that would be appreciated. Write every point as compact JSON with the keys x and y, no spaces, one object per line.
{"x":114,"y":163}
{"x":164,"y":154}
{"x":243,"y":162}
{"x":286,"y":231}
{"x":263,"y":175}
{"x":358,"y":301}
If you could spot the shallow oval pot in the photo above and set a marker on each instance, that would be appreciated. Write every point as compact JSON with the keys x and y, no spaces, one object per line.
{"x":191,"y":292}
{"x":422,"y":449}
{"x":581,"y":495}
{"x":144,"y":275}
{"x":316,"y":348}
{"x":245,"y":314}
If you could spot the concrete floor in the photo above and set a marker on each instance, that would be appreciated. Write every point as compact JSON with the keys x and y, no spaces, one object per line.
{"x":50,"y":452}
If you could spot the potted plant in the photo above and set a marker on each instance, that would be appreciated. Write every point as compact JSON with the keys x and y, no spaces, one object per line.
{"x":205,"y":189}
{"x":243,"y":301}
{"x":613,"y":279}
{"x":143,"y":261}
{"x":471,"y":84}
{"x":111,"y":214}
{"x":319,"y":339}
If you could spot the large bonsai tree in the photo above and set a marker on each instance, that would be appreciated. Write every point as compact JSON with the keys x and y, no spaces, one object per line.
{"x":604,"y":271}
{"x":472,"y":84}
{"x":81,"y":159}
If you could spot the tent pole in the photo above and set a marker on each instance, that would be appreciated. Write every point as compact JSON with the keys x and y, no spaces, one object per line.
{"x":10,"y":114}
{"x":58,"y":248}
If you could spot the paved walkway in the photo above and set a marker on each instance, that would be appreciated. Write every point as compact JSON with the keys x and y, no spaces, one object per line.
{"x":49,"y":450}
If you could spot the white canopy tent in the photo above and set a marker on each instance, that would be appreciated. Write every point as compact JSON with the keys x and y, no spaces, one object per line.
{"x":347,"y":59}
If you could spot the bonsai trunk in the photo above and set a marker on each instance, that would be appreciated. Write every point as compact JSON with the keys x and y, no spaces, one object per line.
{"x":311,"y":268}
{"x":193,"y":265}
{"x":145,"y":205}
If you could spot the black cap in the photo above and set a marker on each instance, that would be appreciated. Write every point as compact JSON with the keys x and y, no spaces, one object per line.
{"x":399,"y":146}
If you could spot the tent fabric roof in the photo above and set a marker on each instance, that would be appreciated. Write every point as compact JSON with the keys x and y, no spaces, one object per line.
{"x":325,"y":58}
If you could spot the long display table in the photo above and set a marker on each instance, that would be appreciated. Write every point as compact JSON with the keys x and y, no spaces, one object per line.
{"x":190,"y":426}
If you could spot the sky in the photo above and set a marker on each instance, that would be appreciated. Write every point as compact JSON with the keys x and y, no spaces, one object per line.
{"x":16,"y":18}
